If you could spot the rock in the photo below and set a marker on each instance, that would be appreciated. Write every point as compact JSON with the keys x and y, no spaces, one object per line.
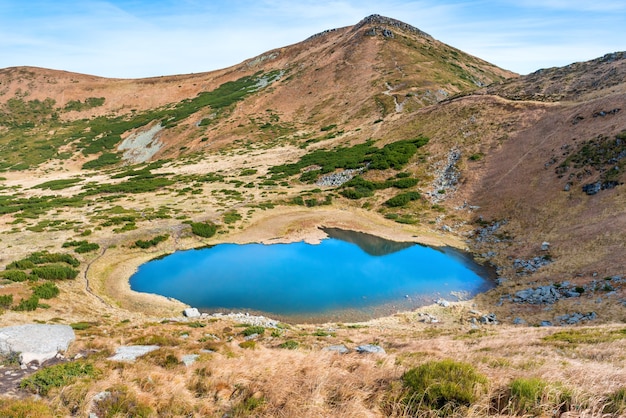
{"x":130,"y":353}
{"x":189,"y":359}
{"x":545,"y":324}
{"x":592,"y":188}
{"x":35,"y":342}
{"x":576,"y":317}
{"x":443,"y":303}
{"x":192,"y":313}
{"x":251,"y":337}
{"x":341,"y":349}
{"x":519,"y":321}
{"x":545,"y":246}
{"x":370,"y":349}
{"x":489,"y":319}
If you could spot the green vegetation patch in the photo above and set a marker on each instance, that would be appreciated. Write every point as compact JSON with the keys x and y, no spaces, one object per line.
{"x":442,"y":386}
{"x":57,"y":184}
{"x":81,"y":247}
{"x":253,"y":329}
{"x":358,"y":187}
{"x":151,"y":242}
{"x":89,"y":103}
{"x":43,"y":257}
{"x":204,"y":229}
{"x":46,"y":290}
{"x":534,"y":396}
{"x":585,"y":336}
{"x":402,"y":199}
{"x":394,"y":155}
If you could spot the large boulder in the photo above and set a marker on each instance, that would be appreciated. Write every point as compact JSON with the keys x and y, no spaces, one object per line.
{"x":35,"y":342}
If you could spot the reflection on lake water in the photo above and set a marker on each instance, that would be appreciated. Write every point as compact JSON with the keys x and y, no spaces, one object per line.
{"x":351,"y":276}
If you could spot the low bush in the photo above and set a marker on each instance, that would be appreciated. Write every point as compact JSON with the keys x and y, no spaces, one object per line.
{"x":46,"y":290}
{"x":14,"y":275}
{"x":55,"y":272}
{"x":534,"y":396}
{"x":59,"y":375}
{"x":152,"y":242}
{"x":253,"y":329}
{"x":290,"y":345}
{"x":29,"y":304}
{"x":402,"y":199}
{"x":204,"y":229}
{"x":442,"y":386}
{"x":81,"y":247}
{"x":6,"y":301}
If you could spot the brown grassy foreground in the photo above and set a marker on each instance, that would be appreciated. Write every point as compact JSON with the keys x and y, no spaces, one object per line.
{"x":263,"y":377}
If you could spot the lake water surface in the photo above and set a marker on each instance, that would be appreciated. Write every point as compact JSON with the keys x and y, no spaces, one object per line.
{"x":349,"y":277}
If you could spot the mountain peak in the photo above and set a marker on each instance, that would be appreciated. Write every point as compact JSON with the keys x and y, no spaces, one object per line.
{"x":378,"y":20}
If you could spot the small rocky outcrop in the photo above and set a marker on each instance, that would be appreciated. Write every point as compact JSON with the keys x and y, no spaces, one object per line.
{"x":35,"y":342}
{"x":530,"y":266}
{"x":370,"y":349}
{"x":130,"y":353}
{"x":192,"y":313}
{"x":576,"y":318}
{"x":341,"y":349}
{"x":337,"y":179}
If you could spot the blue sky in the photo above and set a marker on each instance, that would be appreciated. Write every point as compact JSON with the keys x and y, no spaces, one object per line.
{"x":141,"y":38}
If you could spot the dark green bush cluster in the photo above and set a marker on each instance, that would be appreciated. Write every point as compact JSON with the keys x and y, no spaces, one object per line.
{"x":14,"y":275}
{"x":358,"y":187}
{"x":402,"y":199}
{"x":57,"y":184}
{"x":89,"y":103}
{"x":42,"y":381}
{"x":32,"y":207}
{"x":152,"y":242}
{"x":81,"y":247}
{"x":394,"y":155}
{"x":46,"y":290}
{"x":107,"y":158}
{"x":442,"y":386}
{"x":55,"y":272}
{"x":204,"y":229}
{"x":290,"y":345}
{"x":29,"y":304}
{"x":138,"y":184}
{"x":43,"y":257}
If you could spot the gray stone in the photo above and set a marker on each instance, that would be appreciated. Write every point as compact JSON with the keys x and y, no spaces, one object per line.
{"x":130,"y":353}
{"x":251,"y":337}
{"x":370,"y":349}
{"x":442,"y":302}
{"x":189,"y":359}
{"x":192,"y":313}
{"x":545,"y":324}
{"x":35,"y":342}
{"x":519,"y":321}
{"x":341,"y":349}
{"x":489,"y":319}
{"x":545,"y":246}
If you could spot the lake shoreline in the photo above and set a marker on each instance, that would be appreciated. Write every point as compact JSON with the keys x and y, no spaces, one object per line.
{"x":110,"y":274}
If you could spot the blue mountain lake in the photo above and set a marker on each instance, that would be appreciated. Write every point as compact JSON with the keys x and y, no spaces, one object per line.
{"x":350,"y":276}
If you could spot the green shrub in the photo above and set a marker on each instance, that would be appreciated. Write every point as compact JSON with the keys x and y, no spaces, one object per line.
{"x":57,"y":184}
{"x":81,"y":326}
{"x":231,"y":217}
{"x":81,"y":247}
{"x":443,"y":386}
{"x":248,"y":172}
{"x":6,"y":301}
{"x":290,"y":345}
{"x":402,"y":199}
{"x":151,"y":243}
{"x":253,"y":329}
{"x":534,"y":396}
{"x":43,"y":257}
{"x":14,"y":275}
{"x":55,"y":272}
{"x":204,"y":229}
{"x":29,"y":304}
{"x":46,"y":291}
{"x":42,"y":381}
{"x":103,"y":160}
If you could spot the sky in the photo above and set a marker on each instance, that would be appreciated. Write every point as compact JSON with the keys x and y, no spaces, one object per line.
{"x":143,"y":38}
